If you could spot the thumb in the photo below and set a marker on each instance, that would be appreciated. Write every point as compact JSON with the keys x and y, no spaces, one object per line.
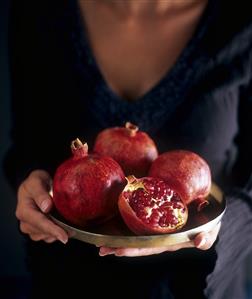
{"x":205,"y":240}
{"x":38,"y":186}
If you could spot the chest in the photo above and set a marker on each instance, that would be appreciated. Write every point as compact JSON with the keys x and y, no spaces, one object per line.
{"x":133,"y":55}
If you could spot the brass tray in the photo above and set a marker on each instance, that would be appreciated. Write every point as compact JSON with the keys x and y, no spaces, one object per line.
{"x":114,"y":233}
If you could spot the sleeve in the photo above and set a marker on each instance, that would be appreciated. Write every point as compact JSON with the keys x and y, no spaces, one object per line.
{"x":39,"y":101}
{"x":235,"y":237}
{"x":233,"y":245}
{"x":243,"y":168}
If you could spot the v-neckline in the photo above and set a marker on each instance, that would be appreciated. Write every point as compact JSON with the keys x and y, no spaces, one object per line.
{"x":170,"y":91}
{"x":190,"y":45}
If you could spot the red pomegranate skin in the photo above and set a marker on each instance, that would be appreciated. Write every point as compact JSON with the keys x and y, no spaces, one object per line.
{"x":133,"y":149}
{"x":186,"y":172}
{"x":149,"y":206}
{"x":86,"y":188}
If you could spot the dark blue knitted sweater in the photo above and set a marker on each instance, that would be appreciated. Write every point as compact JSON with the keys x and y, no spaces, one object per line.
{"x":202,"y":104}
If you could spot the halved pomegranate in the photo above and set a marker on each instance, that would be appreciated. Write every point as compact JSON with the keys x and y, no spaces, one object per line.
{"x":149,"y":206}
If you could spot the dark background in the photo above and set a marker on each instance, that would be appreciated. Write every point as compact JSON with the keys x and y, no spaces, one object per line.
{"x":14,"y":277}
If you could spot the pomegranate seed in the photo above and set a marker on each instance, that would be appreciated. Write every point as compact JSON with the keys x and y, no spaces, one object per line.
{"x":156,"y":203}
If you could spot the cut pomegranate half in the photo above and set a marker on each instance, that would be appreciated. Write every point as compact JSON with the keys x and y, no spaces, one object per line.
{"x":149,"y":206}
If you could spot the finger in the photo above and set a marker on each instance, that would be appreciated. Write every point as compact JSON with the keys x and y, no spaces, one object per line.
{"x":50,"y":239}
{"x":42,"y":201}
{"x":204,"y":241}
{"x":38,"y":237}
{"x":35,"y":234}
{"x":26,"y":228}
{"x":28,"y":213}
{"x":134,"y":252}
{"x":106,"y":251}
{"x":37,"y":187}
{"x":42,"y":224}
{"x":43,"y":237}
{"x":43,"y":176}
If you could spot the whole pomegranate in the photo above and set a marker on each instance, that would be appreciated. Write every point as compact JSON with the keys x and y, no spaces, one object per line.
{"x":186,"y":172}
{"x":150,"y":206}
{"x":86,"y":187}
{"x":133,"y":149}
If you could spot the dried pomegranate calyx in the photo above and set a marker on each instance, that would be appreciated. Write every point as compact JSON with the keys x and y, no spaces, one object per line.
{"x":132,"y":129}
{"x":133,"y":183}
{"x":79,"y":149}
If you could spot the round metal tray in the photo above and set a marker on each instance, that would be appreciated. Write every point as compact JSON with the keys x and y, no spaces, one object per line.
{"x":114,"y":233}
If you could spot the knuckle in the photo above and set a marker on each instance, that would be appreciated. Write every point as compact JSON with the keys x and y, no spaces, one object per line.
{"x":36,"y":237}
{"x":22,"y":213}
{"x":206,"y":247}
{"x":33,"y":238}
{"x":22,"y":191}
{"x":23,"y":227}
{"x":50,"y":240}
{"x":38,"y":177}
{"x":34,"y":179}
{"x":19,"y":214}
{"x":19,"y":192}
{"x":25,"y":186}
{"x":33,"y":173}
{"x":31,"y":180}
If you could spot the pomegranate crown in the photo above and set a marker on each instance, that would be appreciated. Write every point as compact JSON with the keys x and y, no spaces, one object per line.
{"x":133,"y":183}
{"x":131,"y":128}
{"x":79,"y":149}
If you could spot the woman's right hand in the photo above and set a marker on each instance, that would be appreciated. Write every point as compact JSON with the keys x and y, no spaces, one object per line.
{"x":34,"y":202}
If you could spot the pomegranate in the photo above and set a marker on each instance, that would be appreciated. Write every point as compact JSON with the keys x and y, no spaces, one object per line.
{"x":86,"y":187}
{"x":150,"y":206}
{"x":133,"y":149}
{"x":186,"y":172}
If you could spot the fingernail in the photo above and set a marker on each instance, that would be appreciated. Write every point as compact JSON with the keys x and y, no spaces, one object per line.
{"x":104,"y":251}
{"x":44,"y":205}
{"x":62,"y":239}
{"x":202,"y":242}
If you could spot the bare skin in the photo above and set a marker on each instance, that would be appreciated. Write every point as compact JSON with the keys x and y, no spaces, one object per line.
{"x":34,"y":202}
{"x":135,"y":43}
{"x":202,"y":241}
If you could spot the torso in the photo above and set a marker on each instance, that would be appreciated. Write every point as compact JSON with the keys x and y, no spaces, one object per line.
{"x":134,"y":54}
{"x":207,"y":125}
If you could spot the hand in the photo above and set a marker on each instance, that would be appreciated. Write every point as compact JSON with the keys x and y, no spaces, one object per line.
{"x":202,"y":241}
{"x":34,"y":202}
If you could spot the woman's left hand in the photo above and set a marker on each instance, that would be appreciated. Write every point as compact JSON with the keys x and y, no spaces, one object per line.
{"x":202,"y":241}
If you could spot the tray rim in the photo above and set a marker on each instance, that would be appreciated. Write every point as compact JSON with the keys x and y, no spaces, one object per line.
{"x":146,"y":240}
